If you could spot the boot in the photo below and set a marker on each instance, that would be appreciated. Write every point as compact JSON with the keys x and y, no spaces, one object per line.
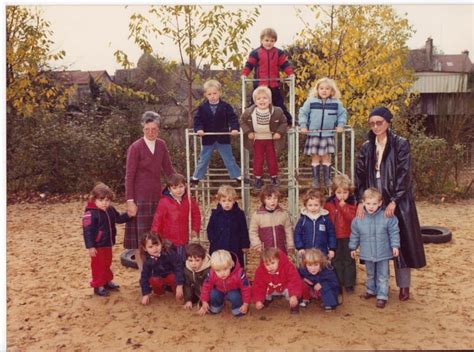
{"x":316,"y":175}
{"x":404,"y":294}
{"x":327,"y":175}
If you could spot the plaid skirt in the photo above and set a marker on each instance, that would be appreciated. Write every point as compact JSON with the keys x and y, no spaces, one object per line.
{"x":139,"y":224}
{"x":319,"y":145}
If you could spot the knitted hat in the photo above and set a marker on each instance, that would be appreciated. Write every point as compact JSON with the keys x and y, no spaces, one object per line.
{"x":382,"y":111}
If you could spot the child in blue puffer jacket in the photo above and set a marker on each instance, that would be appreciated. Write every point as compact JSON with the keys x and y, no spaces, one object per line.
{"x":99,"y":231}
{"x":379,"y":239}
{"x":321,"y":115}
{"x":314,"y":229}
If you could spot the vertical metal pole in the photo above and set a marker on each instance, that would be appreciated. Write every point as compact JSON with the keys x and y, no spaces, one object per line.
{"x":352,"y":153}
{"x":336,"y":154}
{"x":188,"y":177}
{"x":343,"y":156}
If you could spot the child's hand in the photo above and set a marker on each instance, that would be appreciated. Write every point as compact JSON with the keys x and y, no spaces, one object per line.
{"x":331,"y":254}
{"x":291,"y":251}
{"x":92,"y":252}
{"x":244,"y":308}
{"x":243,"y":76}
{"x":293,"y":301}
{"x":188,"y":305}
{"x":245,"y":250}
{"x":259,"y":305}
{"x":276,"y":136}
{"x":251,"y":136}
{"x":194,"y":234}
{"x":179,"y":291}
{"x":234,"y":133}
{"x":291,"y":76}
{"x":200,"y":133}
{"x":203,"y":310}
{"x":339,"y":129}
{"x":353,"y":254}
{"x":342,"y":202}
{"x":146,"y":299}
{"x":317,"y":287}
{"x":301,"y":252}
{"x":395,"y":252}
{"x":303,"y":130}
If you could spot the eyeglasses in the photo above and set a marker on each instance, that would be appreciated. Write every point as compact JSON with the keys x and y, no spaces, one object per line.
{"x":376,"y":123}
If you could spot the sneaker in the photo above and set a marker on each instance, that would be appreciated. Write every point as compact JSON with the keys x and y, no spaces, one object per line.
{"x":246,"y":180}
{"x":304,"y":303}
{"x":367,"y":295}
{"x":101,"y":291}
{"x":194,"y":181}
{"x":258,"y":184}
{"x":328,"y":308}
{"x":295,"y":310}
{"x":275,"y":181}
{"x":380,"y":303}
{"x":111,"y":286}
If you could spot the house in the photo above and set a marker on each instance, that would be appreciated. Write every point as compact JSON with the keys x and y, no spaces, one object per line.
{"x":81,"y":83}
{"x":441,"y":78}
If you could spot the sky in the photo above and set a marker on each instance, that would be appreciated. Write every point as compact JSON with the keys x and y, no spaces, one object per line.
{"x":91,"y":34}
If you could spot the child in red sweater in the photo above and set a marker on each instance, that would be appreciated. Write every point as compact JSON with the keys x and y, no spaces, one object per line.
{"x":342,"y":209}
{"x":276,"y":276}
{"x":171,"y":220}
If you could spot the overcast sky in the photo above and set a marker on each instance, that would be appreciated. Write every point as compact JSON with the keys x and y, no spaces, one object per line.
{"x":90,"y":34}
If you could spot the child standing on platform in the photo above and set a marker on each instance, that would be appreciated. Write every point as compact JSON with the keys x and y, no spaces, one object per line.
{"x":171,"y":220}
{"x":342,"y":209}
{"x":227,"y":227}
{"x":379,"y":239}
{"x":314,"y":229}
{"x":161,"y":267}
{"x":99,"y":231}
{"x":320,"y":115}
{"x":319,"y":281}
{"x":268,"y":61}
{"x":215,"y":115}
{"x":270,"y":225}
{"x":264,"y":127}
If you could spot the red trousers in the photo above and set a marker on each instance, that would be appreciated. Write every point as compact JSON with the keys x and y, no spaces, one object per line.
{"x":309,"y":292}
{"x":157,"y":283}
{"x":100,"y":267}
{"x":264,"y":149}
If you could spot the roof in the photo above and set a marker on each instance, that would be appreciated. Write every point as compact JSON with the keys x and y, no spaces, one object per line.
{"x":452,"y":63}
{"x":80,"y":77}
{"x":418,"y":60}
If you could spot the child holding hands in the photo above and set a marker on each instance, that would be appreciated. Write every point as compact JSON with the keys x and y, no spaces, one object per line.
{"x":342,"y":209}
{"x":171,"y":220}
{"x":264,"y":127}
{"x":314,"y":229}
{"x":226,"y":281}
{"x":270,"y":225}
{"x":319,"y":281}
{"x":276,"y":276}
{"x":161,"y":267}
{"x":379,"y":239}
{"x":99,"y":232}
{"x":320,"y":115}
{"x":227,"y":227}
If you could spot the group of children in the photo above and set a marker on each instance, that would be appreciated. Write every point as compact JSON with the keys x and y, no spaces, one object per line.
{"x":324,"y":239}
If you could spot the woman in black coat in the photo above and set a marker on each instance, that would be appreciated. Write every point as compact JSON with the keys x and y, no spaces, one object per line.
{"x":384,"y":163}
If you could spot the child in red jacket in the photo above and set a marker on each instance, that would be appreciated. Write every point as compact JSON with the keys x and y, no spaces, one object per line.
{"x":276,"y":276}
{"x":171,"y":220}
{"x":342,"y":209}
{"x":226,"y":281}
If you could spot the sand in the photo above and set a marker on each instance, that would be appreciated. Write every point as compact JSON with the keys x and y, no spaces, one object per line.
{"x":50,"y":305}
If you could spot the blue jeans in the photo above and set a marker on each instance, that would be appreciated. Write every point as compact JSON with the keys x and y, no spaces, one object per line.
{"x":218,"y":297}
{"x":225,"y":150}
{"x":377,"y":278}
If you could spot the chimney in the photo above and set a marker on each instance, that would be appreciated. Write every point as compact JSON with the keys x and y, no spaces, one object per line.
{"x":466,"y":52}
{"x":429,"y":50}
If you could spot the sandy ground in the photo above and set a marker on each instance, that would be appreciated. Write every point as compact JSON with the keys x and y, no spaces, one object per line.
{"x":50,"y":306}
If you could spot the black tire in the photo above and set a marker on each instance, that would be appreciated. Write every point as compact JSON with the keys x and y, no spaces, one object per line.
{"x":435,"y":234}
{"x":127,"y":259}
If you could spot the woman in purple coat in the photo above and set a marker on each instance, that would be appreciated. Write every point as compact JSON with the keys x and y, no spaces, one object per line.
{"x":147,"y":157}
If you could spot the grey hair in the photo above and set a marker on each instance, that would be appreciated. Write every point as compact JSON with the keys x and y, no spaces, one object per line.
{"x":150,"y":116}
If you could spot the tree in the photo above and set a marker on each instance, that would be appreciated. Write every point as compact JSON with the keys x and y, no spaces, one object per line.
{"x":213,"y":37}
{"x":363,"y":48}
{"x":28,"y":53}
